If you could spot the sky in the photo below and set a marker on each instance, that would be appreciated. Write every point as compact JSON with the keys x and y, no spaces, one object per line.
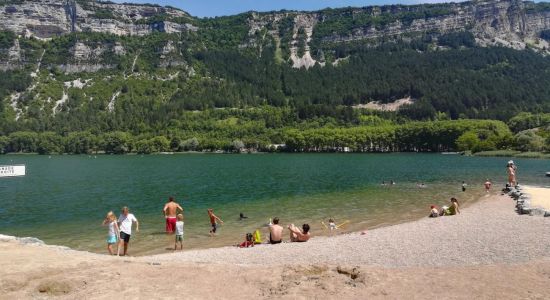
{"x":212,"y":8}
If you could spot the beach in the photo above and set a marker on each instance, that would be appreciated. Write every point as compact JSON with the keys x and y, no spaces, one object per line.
{"x":489,"y":251}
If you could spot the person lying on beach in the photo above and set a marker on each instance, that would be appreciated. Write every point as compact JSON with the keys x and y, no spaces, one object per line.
{"x":297,"y":235}
{"x":275,"y":232}
{"x":112,"y":235}
{"x":170,"y":211}
{"x":421,"y":185}
{"x":451,"y":210}
{"x":434,"y":212}
{"x":248,"y":241}
{"x":179,"y":232}
{"x":213,"y":221}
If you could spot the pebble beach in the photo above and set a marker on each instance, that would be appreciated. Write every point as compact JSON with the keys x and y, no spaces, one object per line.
{"x":482,"y":253}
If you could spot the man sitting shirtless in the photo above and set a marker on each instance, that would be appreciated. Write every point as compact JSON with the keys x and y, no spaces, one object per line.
{"x":275,"y":232}
{"x":170,"y":212}
{"x":297,"y":235}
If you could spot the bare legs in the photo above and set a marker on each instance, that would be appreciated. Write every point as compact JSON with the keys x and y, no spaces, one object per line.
{"x":119,"y":246}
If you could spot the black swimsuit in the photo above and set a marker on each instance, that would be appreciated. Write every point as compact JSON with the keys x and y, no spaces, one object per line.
{"x":271,"y":241}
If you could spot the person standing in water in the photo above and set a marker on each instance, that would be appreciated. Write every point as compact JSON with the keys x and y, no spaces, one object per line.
{"x":511,"y":169}
{"x":213,"y":221}
{"x":112,"y":236}
{"x":170,"y":212}
{"x":125,"y":221}
{"x":487,"y":185}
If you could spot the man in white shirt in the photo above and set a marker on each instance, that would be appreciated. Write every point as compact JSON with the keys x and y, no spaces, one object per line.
{"x":125,"y":221}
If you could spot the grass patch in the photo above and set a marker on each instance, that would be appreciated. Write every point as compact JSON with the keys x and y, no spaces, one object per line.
{"x":498,"y":153}
{"x":533,"y":155}
{"x":513,"y":153}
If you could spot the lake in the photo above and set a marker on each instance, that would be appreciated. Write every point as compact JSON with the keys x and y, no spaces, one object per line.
{"x":63,"y":199}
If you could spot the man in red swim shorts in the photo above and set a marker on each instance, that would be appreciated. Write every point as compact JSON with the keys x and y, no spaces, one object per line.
{"x":170,"y":212}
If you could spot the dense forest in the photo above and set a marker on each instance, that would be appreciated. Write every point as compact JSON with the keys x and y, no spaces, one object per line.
{"x":222,"y":87}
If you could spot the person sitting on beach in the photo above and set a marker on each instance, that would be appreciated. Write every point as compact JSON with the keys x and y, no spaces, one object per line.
{"x":451,"y":210}
{"x":332,"y":224}
{"x":112,"y":236}
{"x":434,"y":212}
{"x":179,"y":232}
{"x":248,"y":241}
{"x":464,"y":186}
{"x":275,"y":232}
{"x":242,"y":217}
{"x":170,"y":210}
{"x":297,"y":235}
{"x":488,"y":184}
{"x":213,"y":221}
{"x":125,"y":221}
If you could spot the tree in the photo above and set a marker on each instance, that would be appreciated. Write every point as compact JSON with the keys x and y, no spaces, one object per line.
{"x":160,"y":144}
{"x":49,"y":143}
{"x":467,"y":141}
{"x":23,"y":142}
{"x":191,"y":144}
{"x":117,"y":142}
{"x":528,"y":140}
{"x":4,"y":142}
{"x":237,"y":145}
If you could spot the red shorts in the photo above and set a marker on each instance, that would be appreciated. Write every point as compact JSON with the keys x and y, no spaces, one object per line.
{"x":171,"y":224}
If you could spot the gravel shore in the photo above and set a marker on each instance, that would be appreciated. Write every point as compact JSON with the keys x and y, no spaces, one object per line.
{"x":487,"y":232}
{"x":487,"y":252}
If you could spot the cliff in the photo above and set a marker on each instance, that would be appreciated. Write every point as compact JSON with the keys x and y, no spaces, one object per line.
{"x":50,"y":18}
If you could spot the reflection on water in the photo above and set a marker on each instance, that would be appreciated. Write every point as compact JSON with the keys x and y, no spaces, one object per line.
{"x":63,"y":200}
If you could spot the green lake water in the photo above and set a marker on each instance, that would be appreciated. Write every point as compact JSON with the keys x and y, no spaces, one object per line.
{"x":63,"y":199}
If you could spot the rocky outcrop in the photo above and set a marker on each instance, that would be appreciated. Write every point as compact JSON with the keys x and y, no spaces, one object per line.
{"x":49,"y":18}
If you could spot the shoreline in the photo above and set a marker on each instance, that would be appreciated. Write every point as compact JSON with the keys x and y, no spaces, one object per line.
{"x":488,"y":251}
{"x":360,"y":226}
{"x":33,"y":241}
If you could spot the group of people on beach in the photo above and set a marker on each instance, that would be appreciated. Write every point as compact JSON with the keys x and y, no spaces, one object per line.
{"x":454,"y":207}
{"x":120,"y":229}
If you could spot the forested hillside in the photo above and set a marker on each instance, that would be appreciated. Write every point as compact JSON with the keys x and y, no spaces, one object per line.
{"x":86,"y":76}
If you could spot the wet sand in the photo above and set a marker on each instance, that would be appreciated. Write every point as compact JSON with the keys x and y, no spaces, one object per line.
{"x":487,"y":252}
{"x":539,"y":196}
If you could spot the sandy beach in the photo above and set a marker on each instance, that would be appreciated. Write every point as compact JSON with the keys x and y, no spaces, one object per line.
{"x":539,"y":196}
{"x":487,"y":252}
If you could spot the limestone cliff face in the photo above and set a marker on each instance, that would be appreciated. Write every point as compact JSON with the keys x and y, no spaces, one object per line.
{"x":49,"y":18}
{"x":510,"y":23}
{"x":300,"y":37}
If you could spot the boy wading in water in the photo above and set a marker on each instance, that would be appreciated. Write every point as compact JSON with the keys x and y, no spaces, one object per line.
{"x":125,"y":221}
{"x":179,"y":232}
{"x":213,"y":221}
{"x":488,"y":184}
